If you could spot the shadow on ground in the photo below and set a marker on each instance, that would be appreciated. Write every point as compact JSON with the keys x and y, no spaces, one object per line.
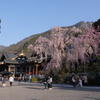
{"x":41,"y":87}
{"x":79,"y":89}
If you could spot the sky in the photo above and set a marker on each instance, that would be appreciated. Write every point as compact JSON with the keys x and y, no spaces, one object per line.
{"x":23,"y":18}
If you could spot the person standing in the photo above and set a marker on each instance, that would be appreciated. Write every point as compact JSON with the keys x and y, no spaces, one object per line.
{"x":76,"y":76}
{"x":80,"y":83}
{"x":50,"y":82}
{"x":11,"y":80}
{"x":45,"y":83}
{"x":73,"y":81}
{"x":85,"y":80}
{"x":25,"y":79}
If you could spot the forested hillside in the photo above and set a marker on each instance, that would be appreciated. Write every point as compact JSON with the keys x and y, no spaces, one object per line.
{"x":22,"y":45}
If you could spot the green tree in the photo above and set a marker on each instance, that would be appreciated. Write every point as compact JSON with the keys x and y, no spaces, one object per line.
{"x":94,"y":66}
{"x":96,"y":25}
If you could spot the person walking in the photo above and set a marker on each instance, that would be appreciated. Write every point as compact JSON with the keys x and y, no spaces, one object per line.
{"x":80,"y":83}
{"x":11,"y":80}
{"x":3,"y":82}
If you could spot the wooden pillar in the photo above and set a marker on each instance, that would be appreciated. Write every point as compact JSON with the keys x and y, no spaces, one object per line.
{"x":37,"y":72}
{"x":8,"y":69}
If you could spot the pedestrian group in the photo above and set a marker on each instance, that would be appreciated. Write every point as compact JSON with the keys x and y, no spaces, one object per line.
{"x":47,"y":82}
{"x":79,"y":80}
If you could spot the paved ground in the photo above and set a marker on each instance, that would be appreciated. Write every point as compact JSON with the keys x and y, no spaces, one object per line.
{"x":35,"y":91}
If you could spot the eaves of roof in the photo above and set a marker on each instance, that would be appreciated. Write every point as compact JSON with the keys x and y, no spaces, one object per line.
{"x":20,"y":61}
{"x":9,"y":61}
{"x":9,"y":54}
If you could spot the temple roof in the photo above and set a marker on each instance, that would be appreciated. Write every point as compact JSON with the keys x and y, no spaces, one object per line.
{"x":17,"y":58}
{"x":7,"y":54}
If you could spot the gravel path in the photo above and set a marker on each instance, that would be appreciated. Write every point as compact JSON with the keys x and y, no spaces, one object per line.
{"x":27,"y":91}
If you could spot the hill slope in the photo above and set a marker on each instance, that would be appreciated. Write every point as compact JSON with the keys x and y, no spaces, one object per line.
{"x":23,"y":44}
{"x":2,"y":47}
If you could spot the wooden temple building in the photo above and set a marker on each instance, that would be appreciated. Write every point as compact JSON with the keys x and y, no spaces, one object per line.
{"x":20,"y":64}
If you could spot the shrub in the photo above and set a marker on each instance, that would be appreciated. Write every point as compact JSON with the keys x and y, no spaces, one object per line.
{"x":91,"y":82}
{"x":34,"y":79}
{"x":68,"y":80}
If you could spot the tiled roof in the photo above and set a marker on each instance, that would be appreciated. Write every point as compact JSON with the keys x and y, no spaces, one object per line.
{"x":12,"y":57}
